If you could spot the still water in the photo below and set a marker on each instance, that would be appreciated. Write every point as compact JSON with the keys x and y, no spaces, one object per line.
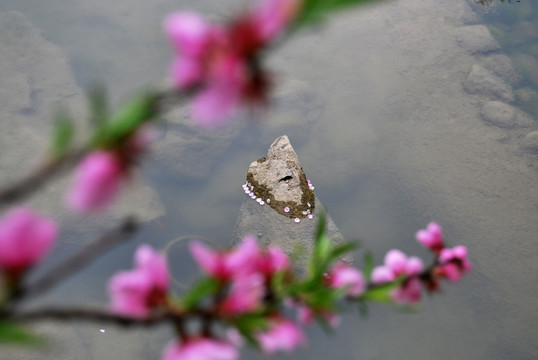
{"x":378,"y":105}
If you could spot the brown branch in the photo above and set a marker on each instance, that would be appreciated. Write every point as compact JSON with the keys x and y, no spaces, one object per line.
{"x":87,"y":314}
{"x":27,"y":186}
{"x":78,"y":261}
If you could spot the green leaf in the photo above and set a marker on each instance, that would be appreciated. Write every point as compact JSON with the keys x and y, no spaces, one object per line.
{"x":381,"y":293}
{"x":314,"y":11}
{"x":13,"y":334}
{"x":126,"y":121}
{"x":63,"y":133}
{"x":250,"y":324}
{"x":368,"y":264}
{"x":340,"y":250}
{"x":278,"y":284}
{"x":204,"y":288}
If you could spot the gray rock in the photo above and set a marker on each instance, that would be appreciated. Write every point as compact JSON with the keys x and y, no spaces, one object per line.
{"x":528,"y":98}
{"x":502,"y":66}
{"x":499,"y":114}
{"x":530,"y":142}
{"x":476,"y":39}
{"x":480,"y":81}
{"x":287,"y":214}
{"x":280,"y":180}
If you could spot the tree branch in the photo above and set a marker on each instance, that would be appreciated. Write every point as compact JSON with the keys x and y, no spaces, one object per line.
{"x":78,"y":261}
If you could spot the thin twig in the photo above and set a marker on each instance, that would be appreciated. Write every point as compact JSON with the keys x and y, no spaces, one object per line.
{"x":78,"y":261}
{"x":87,"y":314}
{"x":27,"y":186}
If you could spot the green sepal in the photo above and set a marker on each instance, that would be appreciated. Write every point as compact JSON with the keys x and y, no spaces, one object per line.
{"x":203,"y":289}
{"x":63,"y":133}
{"x":126,"y":121}
{"x":13,"y":334}
{"x":368,"y":264}
{"x":381,"y":293}
{"x":314,"y":11}
{"x":250,"y":324}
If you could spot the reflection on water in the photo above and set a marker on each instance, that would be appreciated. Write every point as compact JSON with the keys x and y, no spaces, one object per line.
{"x":375,"y":107}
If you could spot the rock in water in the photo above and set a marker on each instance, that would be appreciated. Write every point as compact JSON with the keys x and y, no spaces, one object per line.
{"x":281,"y":207}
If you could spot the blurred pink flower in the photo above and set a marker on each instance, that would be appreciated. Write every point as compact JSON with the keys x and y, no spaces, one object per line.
{"x":454,"y":263}
{"x":200,"y":349}
{"x":97,"y":181}
{"x":272,"y":16}
{"x":25,"y":238}
{"x":136,"y":292}
{"x":431,"y":237}
{"x":398,"y":264}
{"x":282,"y":335}
{"x":246,"y":294}
{"x":342,"y":275}
{"x":408,"y":293}
{"x":221,"y":64}
{"x":306,"y":315}
{"x":274,"y":260}
{"x":225,"y":265}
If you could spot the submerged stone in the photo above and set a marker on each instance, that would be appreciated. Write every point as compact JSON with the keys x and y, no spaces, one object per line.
{"x":280,"y":179}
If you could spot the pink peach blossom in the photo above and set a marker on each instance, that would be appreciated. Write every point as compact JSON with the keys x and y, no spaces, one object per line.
{"x":408,"y":293}
{"x":382,"y":274}
{"x":189,"y":33}
{"x":282,"y":335}
{"x":396,"y":264}
{"x":274,"y":260}
{"x":431,"y":237}
{"x":25,"y":238}
{"x":225,"y":265}
{"x":221,"y":64}
{"x":306,"y":315}
{"x":136,"y":292}
{"x":97,"y":181}
{"x":200,"y":349}
{"x":272,"y":16}
{"x":454,"y":263}
{"x":246,"y":294}
{"x":343,"y":275}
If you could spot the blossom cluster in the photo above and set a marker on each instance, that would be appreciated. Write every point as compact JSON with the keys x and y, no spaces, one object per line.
{"x":244,"y":280}
{"x":222,"y":64}
{"x":249,"y":282}
{"x":451,"y":263}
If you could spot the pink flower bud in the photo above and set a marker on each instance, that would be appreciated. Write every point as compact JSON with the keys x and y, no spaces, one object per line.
{"x":382,"y":274}
{"x":408,"y":293}
{"x":431,"y":237}
{"x":189,"y":33}
{"x":396,"y":260}
{"x":136,"y":292}
{"x":200,"y":349}
{"x":342,"y":275}
{"x":225,"y":265}
{"x":97,"y":181}
{"x":246,"y":294}
{"x":454,"y":263}
{"x":25,"y":238}
{"x":282,"y":335}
